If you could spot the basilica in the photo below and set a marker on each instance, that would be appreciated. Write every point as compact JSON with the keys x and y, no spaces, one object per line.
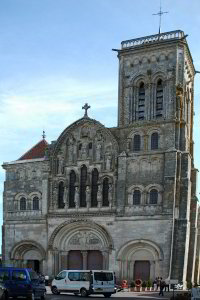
{"x":121,"y":198}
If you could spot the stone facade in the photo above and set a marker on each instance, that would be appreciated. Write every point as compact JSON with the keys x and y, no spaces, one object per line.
{"x":119,"y":198}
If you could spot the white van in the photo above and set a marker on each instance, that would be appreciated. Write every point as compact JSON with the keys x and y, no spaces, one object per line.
{"x":84,"y":282}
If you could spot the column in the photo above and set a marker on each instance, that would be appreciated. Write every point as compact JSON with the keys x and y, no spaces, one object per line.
{"x":84,"y":254}
{"x":64,"y":260}
{"x":105,"y":255}
{"x":152,"y":270}
{"x":56,"y":262}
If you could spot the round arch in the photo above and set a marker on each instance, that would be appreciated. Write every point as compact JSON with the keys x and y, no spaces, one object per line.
{"x":143,"y":255}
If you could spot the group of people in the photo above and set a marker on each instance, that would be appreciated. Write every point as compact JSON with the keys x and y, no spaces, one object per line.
{"x":161,"y":285}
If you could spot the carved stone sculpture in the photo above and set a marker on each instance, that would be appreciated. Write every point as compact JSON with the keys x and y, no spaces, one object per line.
{"x":76,"y":198}
{"x":99,"y":196}
{"x":108,"y":162}
{"x":88,"y":194}
{"x":98,"y":151}
{"x":70,"y":150}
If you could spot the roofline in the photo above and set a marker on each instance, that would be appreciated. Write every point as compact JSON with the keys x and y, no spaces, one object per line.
{"x":15,"y":162}
{"x":33,"y":148}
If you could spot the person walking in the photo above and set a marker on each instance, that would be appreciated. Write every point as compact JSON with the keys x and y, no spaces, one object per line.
{"x":162,"y":285}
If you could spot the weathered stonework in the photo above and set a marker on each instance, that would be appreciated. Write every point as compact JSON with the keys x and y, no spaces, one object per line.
{"x":116,"y":198}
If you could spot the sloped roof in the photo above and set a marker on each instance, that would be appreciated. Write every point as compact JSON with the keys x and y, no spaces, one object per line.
{"x":37,"y":151}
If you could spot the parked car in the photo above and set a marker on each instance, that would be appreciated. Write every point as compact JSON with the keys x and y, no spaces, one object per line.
{"x":21,"y":282}
{"x":2,"y":291}
{"x":84,"y":282}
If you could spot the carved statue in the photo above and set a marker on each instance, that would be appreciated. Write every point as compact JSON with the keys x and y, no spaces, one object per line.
{"x":60,"y":164}
{"x":55,"y":197}
{"x":70,"y":150}
{"x":110,"y":193}
{"x":88,"y":193}
{"x":84,"y":150}
{"x":65,"y":196}
{"x":98,"y":151}
{"x":76,"y":198}
{"x":108,"y":161}
{"x":99,"y":196}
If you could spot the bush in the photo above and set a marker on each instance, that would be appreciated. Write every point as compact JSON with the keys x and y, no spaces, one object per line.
{"x":132,"y":285}
{"x":189,"y":285}
{"x":149,"y":283}
{"x":185,"y":296}
{"x":144,"y":284}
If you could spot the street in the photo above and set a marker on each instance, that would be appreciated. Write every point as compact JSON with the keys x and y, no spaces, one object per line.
{"x":119,"y":295}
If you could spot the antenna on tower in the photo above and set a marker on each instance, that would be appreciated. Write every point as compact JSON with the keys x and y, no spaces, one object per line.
{"x":160,"y":13}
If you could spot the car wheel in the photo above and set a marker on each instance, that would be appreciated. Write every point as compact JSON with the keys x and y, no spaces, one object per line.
{"x":83,"y":293}
{"x":54,"y":290}
{"x":107,"y":295}
{"x":43,"y":296}
{"x":31,"y":297}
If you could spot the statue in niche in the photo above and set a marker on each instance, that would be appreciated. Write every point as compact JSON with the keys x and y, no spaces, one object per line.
{"x":98,"y":151}
{"x":70,"y":150}
{"x":60,"y":163}
{"x":88,"y":193}
{"x":110,"y":193}
{"x":65,"y":196}
{"x":99,"y":196}
{"x":108,"y":161}
{"x":55,"y":197}
{"x":84,"y":150}
{"x":76,"y":198}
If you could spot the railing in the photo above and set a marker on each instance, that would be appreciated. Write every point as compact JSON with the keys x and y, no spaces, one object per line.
{"x":171,"y":35}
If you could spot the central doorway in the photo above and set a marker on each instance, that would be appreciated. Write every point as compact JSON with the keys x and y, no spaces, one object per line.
{"x":141,"y":270}
{"x":94,"y":260}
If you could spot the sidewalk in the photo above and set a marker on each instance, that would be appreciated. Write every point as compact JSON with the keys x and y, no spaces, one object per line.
{"x":146,"y":294}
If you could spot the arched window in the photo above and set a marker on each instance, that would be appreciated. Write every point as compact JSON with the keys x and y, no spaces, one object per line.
{"x":72,"y":181}
{"x":35,"y":203}
{"x":141,"y":101}
{"x":83,"y":182}
{"x":23,"y":203}
{"x":105,"y":200}
{"x":136,"y":142}
{"x":153,"y":196}
{"x":159,"y":98}
{"x":136,"y":197}
{"x":154,"y":141}
{"x":60,"y":195}
{"x":95,"y":177}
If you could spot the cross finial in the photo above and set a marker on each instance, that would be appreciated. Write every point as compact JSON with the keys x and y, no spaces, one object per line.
{"x":160,"y":13}
{"x":86,"y":107}
{"x":43,"y":134}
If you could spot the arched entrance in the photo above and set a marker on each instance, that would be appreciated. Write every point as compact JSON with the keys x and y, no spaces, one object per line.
{"x":80,"y":245}
{"x":28,"y":254}
{"x":140,"y":259}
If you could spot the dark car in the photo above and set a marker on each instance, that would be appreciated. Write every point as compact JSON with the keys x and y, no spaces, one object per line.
{"x":2,"y":291}
{"x":21,"y":282}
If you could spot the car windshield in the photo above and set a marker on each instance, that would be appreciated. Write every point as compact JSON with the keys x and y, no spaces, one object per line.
{"x":33,"y":275}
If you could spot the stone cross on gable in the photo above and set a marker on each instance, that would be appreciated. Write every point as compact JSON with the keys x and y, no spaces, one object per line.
{"x":86,"y":107}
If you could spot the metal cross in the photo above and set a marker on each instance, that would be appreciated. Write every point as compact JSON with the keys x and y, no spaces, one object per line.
{"x":43,"y":134}
{"x":160,"y":13}
{"x":86,"y":107}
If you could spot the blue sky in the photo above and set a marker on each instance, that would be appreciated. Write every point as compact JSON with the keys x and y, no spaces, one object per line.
{"x":55,"y":55}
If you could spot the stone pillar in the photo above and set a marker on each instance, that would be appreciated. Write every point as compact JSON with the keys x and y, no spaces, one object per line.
{"x":56,"y":262}
{"x":121,"y":183}
{"x":152,"y":270}
{"x":105,"y":255}
{"x":64,"y":259}
{"x":84,"y":254}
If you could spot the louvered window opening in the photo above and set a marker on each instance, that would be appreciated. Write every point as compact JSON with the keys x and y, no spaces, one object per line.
{"x":136,"y":197}
{"x":72,"y":180}
{"x":159,"y":98}
{"x":141,"y":102}
{"x":83,"y":182}
{"x":22,"y":203}
{"x":95,"y":177}
{"x":105,"y":200}
{"x":153,"y":196}
{"x":61,"y":195}
{"x":136,"y":142}
{"x":154,"y":141}
{"x":35,"y":203}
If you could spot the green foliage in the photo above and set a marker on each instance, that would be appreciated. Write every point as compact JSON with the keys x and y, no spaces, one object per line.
{"x":144,"y":284}
{"x":149,"y":283}
{"x":189,"y":285}
{"x":132,"y":285}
